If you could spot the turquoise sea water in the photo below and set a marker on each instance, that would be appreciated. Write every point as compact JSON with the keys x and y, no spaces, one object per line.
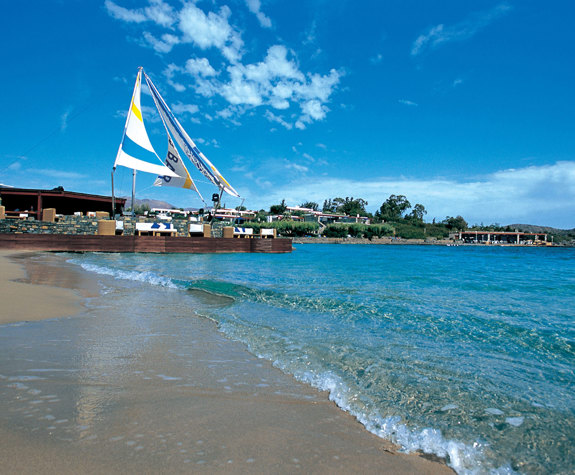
{"x":464,"y":352}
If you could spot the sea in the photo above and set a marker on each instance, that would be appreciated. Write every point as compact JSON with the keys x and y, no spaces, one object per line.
{"x":467,"y":353}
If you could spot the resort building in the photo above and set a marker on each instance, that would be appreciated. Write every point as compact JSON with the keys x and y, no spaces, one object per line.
{"x":30,"y":203}
{"x":500,"y":237}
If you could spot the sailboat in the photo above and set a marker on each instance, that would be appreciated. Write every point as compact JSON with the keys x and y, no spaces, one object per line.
{"x":172,"y":171}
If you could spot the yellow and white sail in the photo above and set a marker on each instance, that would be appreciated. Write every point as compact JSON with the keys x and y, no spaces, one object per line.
{"x":136,"y":131}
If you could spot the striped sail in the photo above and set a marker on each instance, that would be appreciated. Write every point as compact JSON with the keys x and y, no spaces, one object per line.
{"x":187,"y":144}
{"x":136,"y":131}
{"x":175,"y":163}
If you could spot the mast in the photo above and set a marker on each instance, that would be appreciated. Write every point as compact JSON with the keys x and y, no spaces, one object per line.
{"x":113,"y":197}
{"x":134,"y":192}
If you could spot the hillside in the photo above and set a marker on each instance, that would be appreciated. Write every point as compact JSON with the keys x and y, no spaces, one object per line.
{"x":150,"y":203}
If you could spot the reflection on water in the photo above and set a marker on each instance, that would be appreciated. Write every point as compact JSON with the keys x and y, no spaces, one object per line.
{"x":463,"y":352}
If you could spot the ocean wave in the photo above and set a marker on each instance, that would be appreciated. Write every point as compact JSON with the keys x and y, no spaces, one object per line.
{"x":147,"y":277}
{"x":464,"y":458}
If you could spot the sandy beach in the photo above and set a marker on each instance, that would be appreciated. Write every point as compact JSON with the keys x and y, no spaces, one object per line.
{"x":141,"y":410}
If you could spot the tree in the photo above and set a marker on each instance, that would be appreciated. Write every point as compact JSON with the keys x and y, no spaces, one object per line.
{"x":310,"y":204}
{"x":140,"y":210}
{"x":417,"y":213}
{"x":393,"y":208}
{"x":348,"y":206}
{"x":457,"y":223}
{"x":328,"y":206}
{"x":278,"y":209}
{"x":241,"y":208}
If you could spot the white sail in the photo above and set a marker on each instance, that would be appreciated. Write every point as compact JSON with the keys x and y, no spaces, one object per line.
{"x":136,"y":131}
{"x":135,"y":128}
{"x":175,"y":163}
{"x":187,"y":144}
{"x":128,"y":161}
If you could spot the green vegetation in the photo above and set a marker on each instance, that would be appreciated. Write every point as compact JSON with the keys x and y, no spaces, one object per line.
{"x":287,"y":228}
{"x":341,"y":230}
{"x":395,"y":217}
{"x":348,"y":206}
{"x":278,"y":209}
{"x":310,"y":205}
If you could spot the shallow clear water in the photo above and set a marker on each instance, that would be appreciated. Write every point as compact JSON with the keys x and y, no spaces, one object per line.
{"x":465,"y":352}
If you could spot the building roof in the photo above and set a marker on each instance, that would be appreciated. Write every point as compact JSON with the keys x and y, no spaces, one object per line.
{"x":56,"y":192}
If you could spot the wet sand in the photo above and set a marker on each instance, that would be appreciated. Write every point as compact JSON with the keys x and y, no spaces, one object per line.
{"x":23,"y":300}
{"x":147,"y":410}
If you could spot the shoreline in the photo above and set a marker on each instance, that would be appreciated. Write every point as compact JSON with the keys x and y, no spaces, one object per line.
{"x":279,"y":427}
{"x":386,"y":241}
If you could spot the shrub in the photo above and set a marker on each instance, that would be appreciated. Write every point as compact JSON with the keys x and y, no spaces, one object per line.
{"x":341,"y":230}
{"x":287,"y":228}
{"x":336,"y":230}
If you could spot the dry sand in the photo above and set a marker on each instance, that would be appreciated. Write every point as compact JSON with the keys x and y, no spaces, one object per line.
{"x":179,"y":429}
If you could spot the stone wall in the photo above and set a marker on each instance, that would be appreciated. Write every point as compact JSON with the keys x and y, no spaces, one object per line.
{"x":81,"y":225}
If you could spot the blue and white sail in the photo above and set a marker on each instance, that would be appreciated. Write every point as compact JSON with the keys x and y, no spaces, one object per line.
{"x":136,"y":132}
{"x":187,"y":144}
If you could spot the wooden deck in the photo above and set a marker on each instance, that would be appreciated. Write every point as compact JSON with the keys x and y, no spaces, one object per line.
{"x":156,"y":244}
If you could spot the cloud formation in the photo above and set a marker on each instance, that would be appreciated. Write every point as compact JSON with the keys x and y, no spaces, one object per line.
{"x":275,"y":82}
{"x":510,"y":196}
{"x":441,"y":34}
{"x":255,"y":6}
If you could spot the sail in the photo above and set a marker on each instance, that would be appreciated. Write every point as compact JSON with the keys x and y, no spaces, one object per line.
{"x":128,"y":161}
{"x":136,"y":131}
{"x":135,"y":128}
{"x":187,"y":144}
{"x":175,"y":163}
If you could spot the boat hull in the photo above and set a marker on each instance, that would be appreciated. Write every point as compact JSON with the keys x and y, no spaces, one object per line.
{"x":155,"y":244}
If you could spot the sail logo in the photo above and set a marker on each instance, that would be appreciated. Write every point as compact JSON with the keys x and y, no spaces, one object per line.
{"x":170,"y":158}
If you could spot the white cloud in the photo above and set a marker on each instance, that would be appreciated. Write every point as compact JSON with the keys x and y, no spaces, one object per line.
{"x":162,"y":45}
{"x":378,"y":58}
{"x":296,"y":167}
{"x":275,"y":118}
{"x":121,"y":13}
{"x":210,"y":30}
{"x":169,"y":73}
{"x":543,"y":195}
{"x":58,"y":173}
{"x":440,"y":34}
{"x":180,"y":108}
{"x":199,"y":67}
{"x":160,"y":13}
{"x":314,"y":109}
{"x":276,"y":81}
{"x":408,"y":103}
{"x":254,"y":6}
{"x":64,"y":120}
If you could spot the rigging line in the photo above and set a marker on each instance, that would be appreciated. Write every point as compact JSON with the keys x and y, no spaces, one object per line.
{"x":89,"y":104}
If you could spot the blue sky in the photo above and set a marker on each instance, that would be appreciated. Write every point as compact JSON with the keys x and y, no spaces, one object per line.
{"x":467,"y":107}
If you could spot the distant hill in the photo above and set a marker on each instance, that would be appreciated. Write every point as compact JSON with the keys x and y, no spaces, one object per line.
{"x":531,"y":228}
{"x":150,"y":203}
{"x":565,"y":236}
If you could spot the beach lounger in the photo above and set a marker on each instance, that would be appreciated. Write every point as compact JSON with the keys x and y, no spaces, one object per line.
{"x":200,"y":229}
{"x":155,"y":229}
{"x":268,"y":233}
{"x":237,"y":232}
